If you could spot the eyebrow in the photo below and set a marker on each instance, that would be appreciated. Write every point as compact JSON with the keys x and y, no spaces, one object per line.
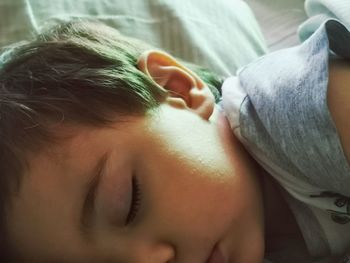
{"x":87,"y":220}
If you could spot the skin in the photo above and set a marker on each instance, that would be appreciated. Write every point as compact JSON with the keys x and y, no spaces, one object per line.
{"x":198,"y":186}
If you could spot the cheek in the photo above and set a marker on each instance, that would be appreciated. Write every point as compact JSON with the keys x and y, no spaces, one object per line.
{"x":193,"y":192}
{"x":192,"y":182}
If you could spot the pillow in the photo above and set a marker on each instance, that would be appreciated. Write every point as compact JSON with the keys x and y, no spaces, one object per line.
{"x":279,"y":21}
{"x":222,"y":35}
{"x":319,"y":11}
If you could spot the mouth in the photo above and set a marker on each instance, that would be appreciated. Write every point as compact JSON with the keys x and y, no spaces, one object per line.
{"x":216,"y":256}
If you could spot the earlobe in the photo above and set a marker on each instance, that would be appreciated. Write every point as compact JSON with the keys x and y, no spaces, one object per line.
{"x":185,"y":88}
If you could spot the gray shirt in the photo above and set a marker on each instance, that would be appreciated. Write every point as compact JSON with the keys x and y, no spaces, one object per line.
{"x":277,"y":106}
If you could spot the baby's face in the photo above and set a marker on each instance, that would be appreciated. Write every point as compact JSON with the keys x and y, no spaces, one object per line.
{"x":197,"y":189}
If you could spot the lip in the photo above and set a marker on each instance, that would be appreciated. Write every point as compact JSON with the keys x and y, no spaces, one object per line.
{"x":216,"y":256}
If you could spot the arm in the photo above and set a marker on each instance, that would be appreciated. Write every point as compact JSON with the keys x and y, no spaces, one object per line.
{"x":339,"y":100}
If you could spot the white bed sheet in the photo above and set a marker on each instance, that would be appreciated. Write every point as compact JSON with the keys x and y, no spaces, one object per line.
{"x":222,"y":35}
{"x":279,"y":20}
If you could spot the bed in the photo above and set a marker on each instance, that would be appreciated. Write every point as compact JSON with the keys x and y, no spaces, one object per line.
{"x":279,"y":21}
{"x":231,"y":34}
{"x":236,"y":40}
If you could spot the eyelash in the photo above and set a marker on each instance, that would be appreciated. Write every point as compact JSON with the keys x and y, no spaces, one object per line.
{"x":135,"y":201}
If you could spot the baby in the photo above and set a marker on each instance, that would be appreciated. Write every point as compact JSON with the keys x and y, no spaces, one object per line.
{"x":113,"y":151}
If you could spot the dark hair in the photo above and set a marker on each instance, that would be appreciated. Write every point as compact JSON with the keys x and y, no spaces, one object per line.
{"x":77,"y":72}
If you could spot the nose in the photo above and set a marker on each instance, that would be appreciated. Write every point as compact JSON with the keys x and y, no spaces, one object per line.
{"x":159,"y":253}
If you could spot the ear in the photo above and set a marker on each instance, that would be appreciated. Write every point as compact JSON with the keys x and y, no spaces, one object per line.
{"x":186,"y":89}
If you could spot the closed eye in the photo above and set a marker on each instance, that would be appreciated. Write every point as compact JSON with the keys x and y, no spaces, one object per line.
{"x":135,"y":201}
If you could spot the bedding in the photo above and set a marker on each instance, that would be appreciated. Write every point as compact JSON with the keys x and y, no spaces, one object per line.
{"x":279,"y":21}
{"x":320,"y":10}
{"x":200,"y":31}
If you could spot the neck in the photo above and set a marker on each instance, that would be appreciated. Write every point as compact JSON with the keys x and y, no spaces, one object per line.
{"x":279,"y":220}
